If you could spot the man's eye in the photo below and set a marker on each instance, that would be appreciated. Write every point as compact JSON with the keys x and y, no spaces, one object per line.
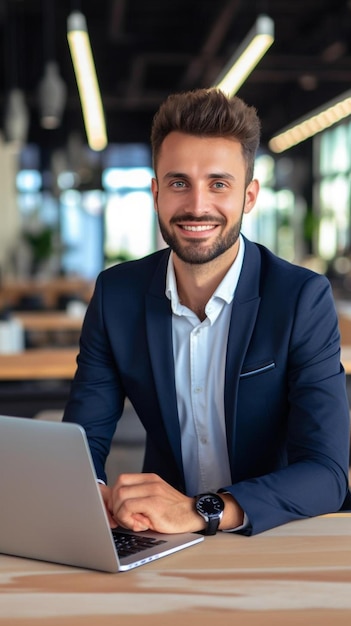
{"x":219,"y":185}
{"x":178,"y":183}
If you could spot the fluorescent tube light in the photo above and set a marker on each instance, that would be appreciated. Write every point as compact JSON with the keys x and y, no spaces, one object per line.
{"x":313,"y":123}
{"x":247,"y":56}
{"x":88,"y":87}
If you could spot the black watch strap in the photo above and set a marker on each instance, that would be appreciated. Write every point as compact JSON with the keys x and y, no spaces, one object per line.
{"x":212,"y":525}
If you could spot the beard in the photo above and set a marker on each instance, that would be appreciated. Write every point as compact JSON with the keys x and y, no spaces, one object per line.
{"x":195,"y":252}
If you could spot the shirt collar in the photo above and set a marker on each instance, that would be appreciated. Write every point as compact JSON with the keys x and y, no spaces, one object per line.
{"x":225,"y":290}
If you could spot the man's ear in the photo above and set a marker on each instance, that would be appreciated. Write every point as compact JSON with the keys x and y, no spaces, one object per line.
{"x":251,"y":194}
{"x":154,"y":191}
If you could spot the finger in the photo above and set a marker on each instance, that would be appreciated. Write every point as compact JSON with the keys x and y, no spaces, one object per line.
{"x":140,"y":523}
{"x":132,"y":512}
{"x":136,"y":522}
{"x":136,"y":479}
{"x":111,"y":520}
{"x":108,"y":502}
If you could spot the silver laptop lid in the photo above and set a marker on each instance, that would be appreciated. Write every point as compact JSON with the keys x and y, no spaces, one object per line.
{"x":51,"y":506}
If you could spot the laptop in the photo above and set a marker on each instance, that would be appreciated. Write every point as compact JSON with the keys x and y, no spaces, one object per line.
{"x":51,"y":508}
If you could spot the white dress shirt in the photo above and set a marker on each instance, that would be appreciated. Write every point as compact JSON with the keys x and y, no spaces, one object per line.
{"x":199,"y":359}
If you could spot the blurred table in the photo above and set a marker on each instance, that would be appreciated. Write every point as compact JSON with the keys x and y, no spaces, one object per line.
{"x":50,"y":291}
{"x":36,"y":380}
{"x":39,"y":364}
{"x":299,"y":573}
{"x":346,"y":358}
{"x":37,"y":321}
{"x":344,"y":318}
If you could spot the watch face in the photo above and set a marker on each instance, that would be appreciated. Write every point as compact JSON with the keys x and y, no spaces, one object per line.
{"x":209,"y":504}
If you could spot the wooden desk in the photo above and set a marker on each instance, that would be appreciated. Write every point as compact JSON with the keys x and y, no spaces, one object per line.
{"x":38,"y":364}
{"x":297,"y":574}
{"x":42,"y":321}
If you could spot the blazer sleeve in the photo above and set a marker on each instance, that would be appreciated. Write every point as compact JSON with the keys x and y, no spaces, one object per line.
{"x":315,"y":479}
{"x":97,"y":397}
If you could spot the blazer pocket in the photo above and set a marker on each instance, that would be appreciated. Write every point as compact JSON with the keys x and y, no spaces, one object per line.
{"x":258,"y":369}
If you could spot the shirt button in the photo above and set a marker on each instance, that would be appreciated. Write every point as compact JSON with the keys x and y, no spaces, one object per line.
{"x":198,"y":389}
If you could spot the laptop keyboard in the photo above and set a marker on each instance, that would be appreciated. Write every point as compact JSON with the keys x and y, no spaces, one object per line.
{"x":128,"y":544}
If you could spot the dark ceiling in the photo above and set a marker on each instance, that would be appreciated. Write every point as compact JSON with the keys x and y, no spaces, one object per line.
{"x":146,"y":49}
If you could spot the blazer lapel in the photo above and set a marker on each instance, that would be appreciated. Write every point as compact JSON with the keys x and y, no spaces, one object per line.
{"x":244,"y":312}
{"x":159,"y":333}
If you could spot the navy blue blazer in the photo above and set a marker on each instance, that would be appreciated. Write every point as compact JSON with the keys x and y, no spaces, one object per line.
{"x":286,"y":408}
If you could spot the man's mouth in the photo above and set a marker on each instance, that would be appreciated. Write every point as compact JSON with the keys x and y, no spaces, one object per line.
{"x":199,"y":228}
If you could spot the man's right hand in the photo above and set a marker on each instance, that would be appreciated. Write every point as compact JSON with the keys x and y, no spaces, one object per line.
{"x":106,"y":493}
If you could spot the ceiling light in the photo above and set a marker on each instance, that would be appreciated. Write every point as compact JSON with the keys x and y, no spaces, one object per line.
{"x":51,"y":96}
{"x":247,"y":56}
{"x":87,"y":82}
{"x":313,"y":123}
{"x":334,"y":52}
{"x":308,"y":82}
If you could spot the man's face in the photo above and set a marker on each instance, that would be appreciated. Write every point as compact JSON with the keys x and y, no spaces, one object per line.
{"x":200,"y":196}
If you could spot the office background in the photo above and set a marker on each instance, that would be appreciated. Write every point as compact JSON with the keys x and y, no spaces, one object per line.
{"x":70,"y":207}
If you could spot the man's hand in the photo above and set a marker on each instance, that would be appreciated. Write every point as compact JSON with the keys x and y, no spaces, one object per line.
{"x":145,"y":501}
{"x":106,"y":493}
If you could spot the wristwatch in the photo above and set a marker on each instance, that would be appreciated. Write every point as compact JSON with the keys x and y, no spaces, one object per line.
{"x":210,"y":506}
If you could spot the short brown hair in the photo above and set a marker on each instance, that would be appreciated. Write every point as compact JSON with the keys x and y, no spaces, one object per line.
{"x":208,"y":113}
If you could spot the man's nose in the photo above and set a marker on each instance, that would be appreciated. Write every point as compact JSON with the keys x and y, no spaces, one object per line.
{"x":199,"y":200}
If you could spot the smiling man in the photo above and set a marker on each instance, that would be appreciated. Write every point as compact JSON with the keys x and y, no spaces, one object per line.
{"x":229,"y":355}
{"x":200,"y":197}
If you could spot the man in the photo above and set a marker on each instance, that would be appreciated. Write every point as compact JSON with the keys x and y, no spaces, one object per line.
{"x":229,"y":355}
